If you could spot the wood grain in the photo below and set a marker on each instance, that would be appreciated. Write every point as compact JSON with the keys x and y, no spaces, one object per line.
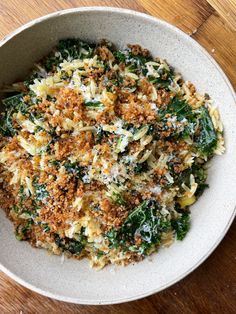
{"x":227,"y":10}
{"x":220,"y":42}
{"x":188,"y":15}
{"x":212,"y":287}
{"x":14,"y":13}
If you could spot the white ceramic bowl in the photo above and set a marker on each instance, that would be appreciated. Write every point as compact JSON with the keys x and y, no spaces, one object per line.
{"x":74,"y":281}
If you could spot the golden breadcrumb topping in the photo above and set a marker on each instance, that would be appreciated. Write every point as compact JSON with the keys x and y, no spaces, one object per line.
{"x":103,"y":151}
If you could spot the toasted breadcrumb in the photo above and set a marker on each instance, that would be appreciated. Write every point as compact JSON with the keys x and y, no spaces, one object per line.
{"x":103,"y":152}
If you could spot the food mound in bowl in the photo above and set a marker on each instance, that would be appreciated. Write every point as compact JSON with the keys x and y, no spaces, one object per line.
{"x":103,"y":151}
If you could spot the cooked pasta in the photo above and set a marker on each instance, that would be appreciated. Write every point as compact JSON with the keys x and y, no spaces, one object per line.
{"x":103,"y":151}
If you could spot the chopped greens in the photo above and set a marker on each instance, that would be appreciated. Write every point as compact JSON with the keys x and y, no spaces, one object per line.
{"x":45,"y":227}
{"x":120,"y":56}
{"x":40,"y":191}
{"x":207,"y":139}
{"x":177,"y":107}
{"x":68,"y":49}
{"x":118,"y":199}
{"x":101,"y":134}
{"x":159,"y":82}
{"x":197,"y":124}
{"x":6,"y":126}
{"x":12,"y":104}
{"x":71,"y":245}
{"x":55,"y":163}
{"x":199,"y":173}
{"x":142,"y":223}
{"x":181,"y":226}
{"x":23,"y":230}
{"x":74,"y":169}
{"x":100,"y":254}
{"x":93,"y":104}
{"x":139,"y":168}
{"x":103,"y":151}
{"x":13,"y":101}
{"x":22,"y":196}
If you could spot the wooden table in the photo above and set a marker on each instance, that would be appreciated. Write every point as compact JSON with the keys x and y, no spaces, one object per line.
{"x":212,"y":287}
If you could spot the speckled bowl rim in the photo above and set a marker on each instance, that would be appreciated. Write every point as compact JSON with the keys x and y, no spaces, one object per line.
{"x":217,"y":67}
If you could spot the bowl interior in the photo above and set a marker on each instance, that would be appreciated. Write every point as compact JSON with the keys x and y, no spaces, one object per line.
{"x":211,"y":216}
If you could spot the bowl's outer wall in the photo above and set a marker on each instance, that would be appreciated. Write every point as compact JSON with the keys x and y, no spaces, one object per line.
{"x":74,"y":281}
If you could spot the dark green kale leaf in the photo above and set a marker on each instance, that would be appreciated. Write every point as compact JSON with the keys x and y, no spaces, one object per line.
{"x":138,"y":60}
{"x":164,"y":80}
{"x":139,"y":168}
{"x":130,"y":127}
{"x":55,"y":163}
{"x":13,"y":101}
{"x":199,"y":173}
{"x":142,"y":223}
{"x":45,"y":227}
{"x":23,"y":230}
{"x":151,"y":129}
{"x":181,"y":225}
{"x":160,"y":82}
{"x":16,"y":209}
{"x":100,"y":254}
{"x":12,"y":105}
{"x":100,"y":135}
{"x":73,"y":246}
{"x":182,"y":111}
{"x":35,"y":115}
{"x":114,"y":238}
{"x":120,"y":56}
{"x":22,"y":195}
{"x":118,"y":199}
{"x":64,"y":75}
{"x":6,"y":127}
{"x":177,"y":107}
{"x":40,"y":191}
{"x":51,"y":99}
{"x":69,"y":49}
{"x":93,"y":104}
{"x":132,"y":68}
{"x":207,"y":139}
{"x":154,"y":131}
{"x":134,"y":62}
{"x":75,"y":169}
{"x":182,"y":177}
